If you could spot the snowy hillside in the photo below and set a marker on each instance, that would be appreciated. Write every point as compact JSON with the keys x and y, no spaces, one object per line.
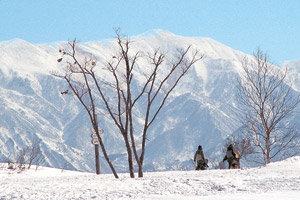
{"x":199,"y":111}
{"x":294,"y":68}
{"x":279,"y":180}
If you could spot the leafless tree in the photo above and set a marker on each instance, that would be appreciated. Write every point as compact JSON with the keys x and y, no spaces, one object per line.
{"x":21,"y":159}
{"x":34,"y":155}
{"x":29,"y":155}
{"x":266,"y":103}
{"x":156,"y":87}
{"x":77,"y":77}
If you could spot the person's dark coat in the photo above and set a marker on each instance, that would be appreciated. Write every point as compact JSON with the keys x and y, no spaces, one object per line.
{"x":199,"y":159}
{"x":232,"y":158}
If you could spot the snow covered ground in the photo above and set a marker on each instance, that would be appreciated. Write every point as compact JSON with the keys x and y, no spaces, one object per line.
{"x":279,"y":180}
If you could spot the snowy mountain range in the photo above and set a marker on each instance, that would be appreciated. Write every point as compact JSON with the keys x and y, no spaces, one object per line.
{"x":199,"y":111}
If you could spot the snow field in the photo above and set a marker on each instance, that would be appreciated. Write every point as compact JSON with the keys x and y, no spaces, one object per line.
{"x":280,"y":180}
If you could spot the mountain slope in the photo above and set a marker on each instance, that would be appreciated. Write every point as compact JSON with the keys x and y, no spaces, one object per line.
{"x":200,"y":111}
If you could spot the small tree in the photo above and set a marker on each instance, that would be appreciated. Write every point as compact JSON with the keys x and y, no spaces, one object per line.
{"x":155,"y":88}
{"x":266,"y":103}
{"x":34,"y":155}
{"x":28,"y":155}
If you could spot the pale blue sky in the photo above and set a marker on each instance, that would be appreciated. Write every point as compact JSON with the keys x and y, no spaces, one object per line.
{"x":272,"y":25}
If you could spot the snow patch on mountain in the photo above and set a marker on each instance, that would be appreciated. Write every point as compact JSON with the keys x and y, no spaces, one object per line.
{"x":294,"y":73}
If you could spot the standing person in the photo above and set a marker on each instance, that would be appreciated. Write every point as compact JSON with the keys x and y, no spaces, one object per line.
{"x":199,"y":159}
{"x":232,"y":158}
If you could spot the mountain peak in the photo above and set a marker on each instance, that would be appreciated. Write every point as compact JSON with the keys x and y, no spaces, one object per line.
{"x":15,"y":41}
{"x":156,"y":32}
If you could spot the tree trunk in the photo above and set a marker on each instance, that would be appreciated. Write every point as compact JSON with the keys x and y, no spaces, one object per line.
{"x":107,"y":159}
{"x":268,"y":147}
{"x":141,"y":171}
{"x":143,"y":150}
{"x":129,"y":153}
{"x":97,"y":160}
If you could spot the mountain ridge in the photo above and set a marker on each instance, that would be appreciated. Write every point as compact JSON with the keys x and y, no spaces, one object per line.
{"x":199,"y":111}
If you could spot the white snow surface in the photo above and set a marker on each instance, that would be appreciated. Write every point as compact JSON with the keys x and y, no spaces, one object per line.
{"x":279,"y":180}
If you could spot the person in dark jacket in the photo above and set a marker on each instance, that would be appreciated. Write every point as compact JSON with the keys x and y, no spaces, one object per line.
{"x":232,"y":158}
{"x":199,"y":159}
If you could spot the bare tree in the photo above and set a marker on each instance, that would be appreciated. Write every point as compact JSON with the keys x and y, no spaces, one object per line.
{"x":77,"y":77}
{"x":28,"y":155}
{"x":34,"y":154}
{"x":21,"y":159}
{"x":156,"y":87}
{"x":267,"y":102}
